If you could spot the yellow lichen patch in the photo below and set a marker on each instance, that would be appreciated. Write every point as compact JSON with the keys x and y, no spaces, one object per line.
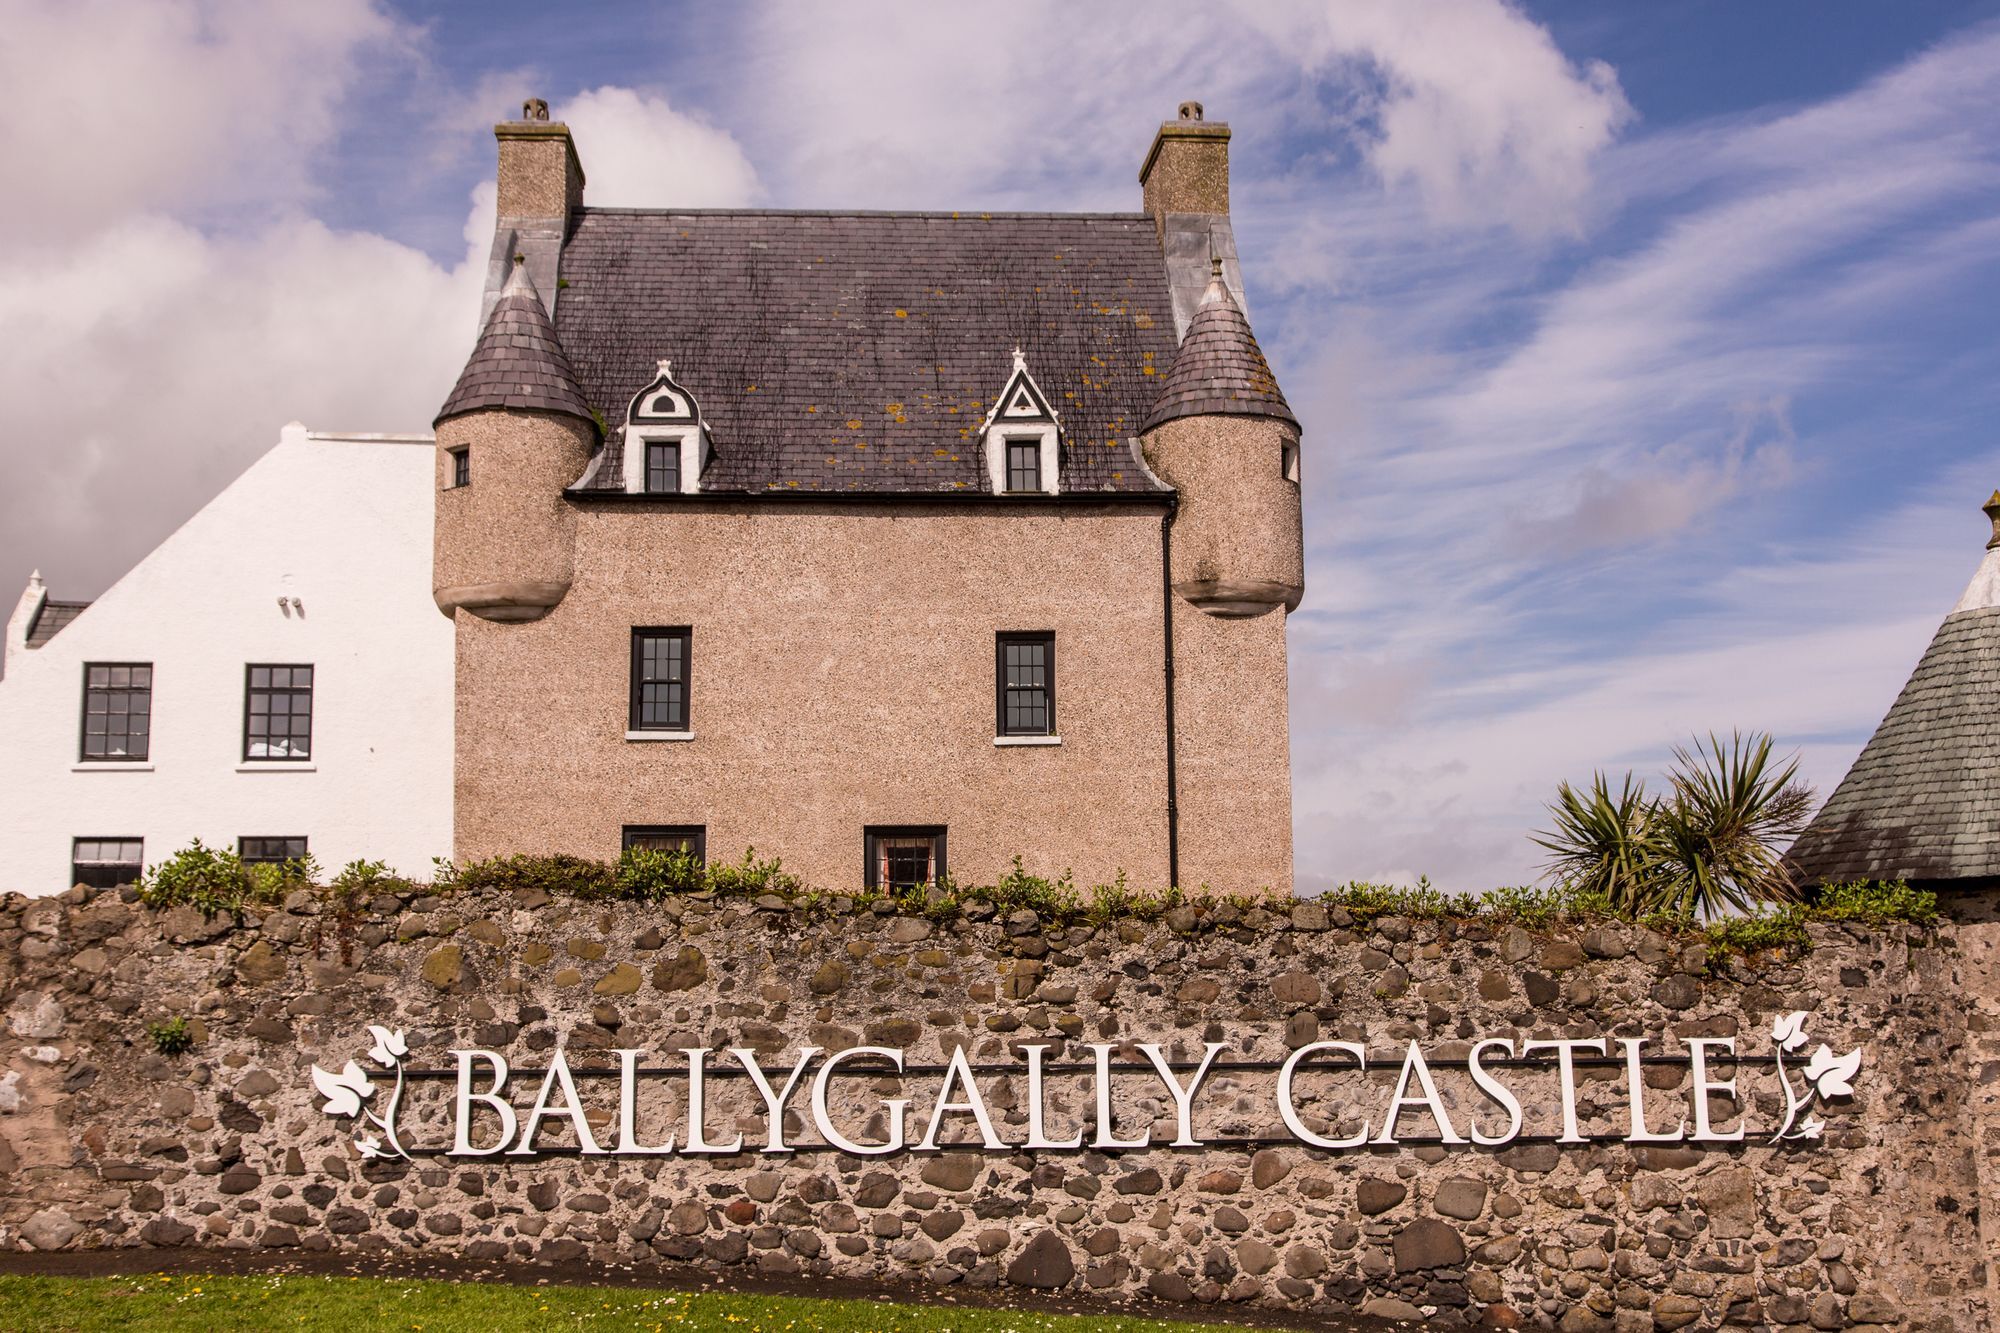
{"x":749,"y":388}
{"x":893,"y":409}
{"x":1145,"y":370}
{"x":812,"y":407}
{"x":1142,"y":321}
{"x":902,"y":314}
{"x":937,"y":453}
{"x":854,"y":423}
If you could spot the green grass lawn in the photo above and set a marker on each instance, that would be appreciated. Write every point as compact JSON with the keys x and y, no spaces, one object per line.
{"x":345,"y":1304}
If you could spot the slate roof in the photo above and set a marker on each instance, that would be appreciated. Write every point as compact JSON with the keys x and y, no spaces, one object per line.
{"x":1923,"y":800}
{"x":859,"y":352}
{"x":49,"y":621}
{"x":1219,"y":369}
{"x":517,"y":362}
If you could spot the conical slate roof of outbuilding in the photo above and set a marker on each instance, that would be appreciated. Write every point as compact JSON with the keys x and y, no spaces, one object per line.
{"x":1923,"y":800}
{"x":517,"y":362}
{"x":1219,"y":369}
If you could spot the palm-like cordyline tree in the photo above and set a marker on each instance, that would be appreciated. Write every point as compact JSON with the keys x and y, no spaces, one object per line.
{"x":1710,"y":846}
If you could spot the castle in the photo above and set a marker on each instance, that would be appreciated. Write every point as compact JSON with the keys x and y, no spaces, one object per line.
{"x":893,"y":544}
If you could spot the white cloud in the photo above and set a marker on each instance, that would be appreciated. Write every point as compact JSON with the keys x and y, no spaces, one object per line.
{"x":639,"y":152}
{"x":1041,"y":104}
{"x":1479,"y":111}
{"x":184,"y":301}
{"x":173,"y":104}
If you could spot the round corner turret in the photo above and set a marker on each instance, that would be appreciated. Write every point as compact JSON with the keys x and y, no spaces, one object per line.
{"x":1222,"y":435}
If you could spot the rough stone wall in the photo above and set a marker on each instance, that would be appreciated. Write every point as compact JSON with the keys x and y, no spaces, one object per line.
{"x":842,"y":675}
{"x":107,"y":1143}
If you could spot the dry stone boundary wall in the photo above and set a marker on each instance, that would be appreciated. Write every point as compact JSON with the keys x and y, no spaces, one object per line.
{"x":105,"y":1142}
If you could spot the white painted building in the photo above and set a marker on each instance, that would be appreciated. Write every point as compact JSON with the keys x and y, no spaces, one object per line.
{"x":274,"y":674}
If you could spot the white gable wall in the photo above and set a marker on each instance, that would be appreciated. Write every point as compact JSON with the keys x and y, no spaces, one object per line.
{"x":342,"y":524}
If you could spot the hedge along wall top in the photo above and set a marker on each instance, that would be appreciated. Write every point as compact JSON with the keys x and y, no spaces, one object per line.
{"x":342,"y":1093}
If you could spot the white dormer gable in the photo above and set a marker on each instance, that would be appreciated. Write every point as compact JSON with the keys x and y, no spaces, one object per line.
{"x":666,"y":441}
{"x":1022,"y":435}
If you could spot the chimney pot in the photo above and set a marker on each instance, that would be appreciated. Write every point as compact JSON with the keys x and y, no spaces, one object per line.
{"x":1992,"y":508}
{"x":535,"y":108}
{"x":1190,"y":111}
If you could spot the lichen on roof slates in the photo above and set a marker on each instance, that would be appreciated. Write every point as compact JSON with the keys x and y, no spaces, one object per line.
{"x":832,"y":316}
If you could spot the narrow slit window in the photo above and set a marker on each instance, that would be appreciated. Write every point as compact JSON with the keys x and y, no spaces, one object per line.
{"x":277,"y":712}
{"x":117,"y":711}
{"x":660,"y":679}
{"x":461,"y":467}
{"x":663,"y":466}
{"x":1024,"y":465}
{"x":688,"y":839}
{"x":267,"y":851}
{"x":1025,"y":684}
{"x":904,"y":857}
{"x":1288,"y":461}
{"x":106,"y":863}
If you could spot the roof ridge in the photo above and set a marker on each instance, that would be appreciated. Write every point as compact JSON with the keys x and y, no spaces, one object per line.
{"x":947,"y":214}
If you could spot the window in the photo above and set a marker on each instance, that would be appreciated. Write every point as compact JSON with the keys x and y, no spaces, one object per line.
{"x":1024,"y":464}
{"x":270,"y":851}
{"x":903,"y":858}
{"x":660,"y":679}
{"x":663,"y":466}
{"x":1024,"y":684}
{"x":689,"y":838}
{"x":461,"y":467}
{"x":277,"y":712}
{"x":1288,"y":461}
{"x":105,"y":863}
{"x":117,"y":710}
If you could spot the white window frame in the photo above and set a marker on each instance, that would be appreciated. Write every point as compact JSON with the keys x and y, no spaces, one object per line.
{"x":692,"y":442}
{"x":996,"y":456}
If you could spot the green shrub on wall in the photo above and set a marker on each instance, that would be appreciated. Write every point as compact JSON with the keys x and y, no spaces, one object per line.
{"x":215,"y":879}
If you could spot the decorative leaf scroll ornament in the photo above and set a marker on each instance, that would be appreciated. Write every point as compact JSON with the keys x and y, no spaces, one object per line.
{"x":347,"y":1092}
{"x":1827,"y":1075}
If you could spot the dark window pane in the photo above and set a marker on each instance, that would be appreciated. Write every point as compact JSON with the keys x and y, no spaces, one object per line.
{"x":1025,"y":685}
{"x":277,"y":713}
{"x":270,"y":851}
{"x":106,"y":863}
{"x":663,"y":466}
{"x":660,"y":679}
{"x":117,"y":701}
{"x":461,"y":467}
{"x":904,"y":858}
{"x":691,"y":839}
{"x":1024,"y":465}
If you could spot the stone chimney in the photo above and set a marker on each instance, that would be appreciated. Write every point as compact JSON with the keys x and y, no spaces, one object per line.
{"x":1187,"y":168}
{"x":540,"y":174}
{"x":540,"y":195}
{"x":1185,"y":185}
{"x":33,"y":598}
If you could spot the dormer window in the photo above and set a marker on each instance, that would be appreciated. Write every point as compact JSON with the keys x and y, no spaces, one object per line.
{"x":666,"y":442}
{"x":1022,"y":435}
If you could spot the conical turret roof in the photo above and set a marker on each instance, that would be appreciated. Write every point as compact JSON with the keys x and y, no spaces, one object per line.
{"x":1219,"y":369}
{"x":517,"y":362}
{"x":1923,"y":800}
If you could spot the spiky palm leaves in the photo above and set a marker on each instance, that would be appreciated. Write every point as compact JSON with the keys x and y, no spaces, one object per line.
{"x":1707,"y":847}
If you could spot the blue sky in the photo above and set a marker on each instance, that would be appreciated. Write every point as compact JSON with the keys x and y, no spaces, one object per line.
{"x":1646,"y":352}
